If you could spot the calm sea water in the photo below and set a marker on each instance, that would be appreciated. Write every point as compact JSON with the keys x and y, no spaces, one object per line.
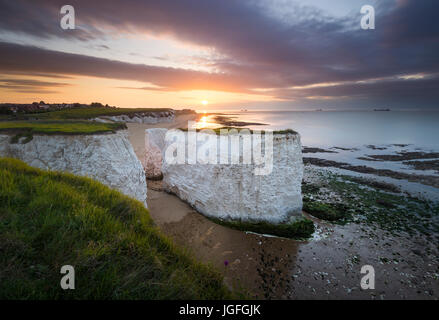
{"x":351,"y":129}
{"x":354,"y":136}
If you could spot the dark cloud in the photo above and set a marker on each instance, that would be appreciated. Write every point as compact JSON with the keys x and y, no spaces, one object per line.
{"x":19,"y":58}
{"x":41,"y":19}
{"x":36,"y":74}
{"x":30,"y":85}
{"x":405,"y":92}
{"x":260,"y":50}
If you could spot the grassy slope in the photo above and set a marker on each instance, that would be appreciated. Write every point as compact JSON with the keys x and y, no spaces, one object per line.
{"x":50,"y":219}
{"x":59,"y":127}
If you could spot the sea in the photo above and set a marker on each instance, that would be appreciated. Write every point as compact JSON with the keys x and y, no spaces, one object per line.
{"x":353,"y":136}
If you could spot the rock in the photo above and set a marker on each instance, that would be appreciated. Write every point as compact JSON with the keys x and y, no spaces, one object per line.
{"x":233,"y":191}
{"x":137,"y":120}
{"x":142,"y":117}
{"x":154,"y":144}
{"x":108,"y":158}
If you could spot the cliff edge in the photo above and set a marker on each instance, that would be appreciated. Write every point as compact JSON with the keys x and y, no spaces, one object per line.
{"x":108,"y":158}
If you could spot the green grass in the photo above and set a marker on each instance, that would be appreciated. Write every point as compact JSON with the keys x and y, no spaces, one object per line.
{"x":86,"y":113}
{"x":28,"y":137}
{"x":59,"y":127}
{"x":300,"y":229}
{"x":50,"y":219}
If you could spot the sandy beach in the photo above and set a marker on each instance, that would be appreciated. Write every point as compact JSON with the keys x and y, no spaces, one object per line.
{"x":136,"y":131}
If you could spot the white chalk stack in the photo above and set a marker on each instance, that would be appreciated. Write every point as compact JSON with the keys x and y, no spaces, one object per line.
{"x":232,"y":191}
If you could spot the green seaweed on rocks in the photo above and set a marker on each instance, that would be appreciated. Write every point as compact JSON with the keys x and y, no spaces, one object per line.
{"x":300,"y":229}
{"x":325,"y":211}
{"x":352,"y":200}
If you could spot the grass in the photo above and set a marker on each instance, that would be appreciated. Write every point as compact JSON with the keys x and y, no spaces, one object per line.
{"x":218,"y":130}
{"x":59,"y":127}
{"x":86,"y":113}
{"x":300,"y":229}
{"x":28,"y":137}
{"x":50,"y":219}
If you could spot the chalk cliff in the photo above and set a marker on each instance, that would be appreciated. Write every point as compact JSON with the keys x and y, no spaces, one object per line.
{"x":154,"y":144}
{"x":234,"y":191}
{"x":108,"y":158}
{"x":141,"y":117}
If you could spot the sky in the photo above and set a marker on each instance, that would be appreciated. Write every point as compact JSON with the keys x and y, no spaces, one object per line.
{"x":235,"y":54}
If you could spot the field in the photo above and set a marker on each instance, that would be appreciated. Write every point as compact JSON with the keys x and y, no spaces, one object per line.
{"x":59,"y":127}
{"x":68,"y":121}
{"x":83,"y":113}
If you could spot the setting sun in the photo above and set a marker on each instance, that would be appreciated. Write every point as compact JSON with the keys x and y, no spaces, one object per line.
{"x":204,"y":102}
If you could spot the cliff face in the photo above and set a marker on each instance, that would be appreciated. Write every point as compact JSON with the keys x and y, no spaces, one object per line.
{"x":234,"y":191}
{"x":154,"y":144}
{"x":108,"y":158}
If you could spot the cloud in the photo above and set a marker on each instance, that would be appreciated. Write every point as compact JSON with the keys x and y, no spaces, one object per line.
{"x":410,"y":91}
{"x":30,"y":86}
{"x":29,"y":59}
{"x":259,"y":48}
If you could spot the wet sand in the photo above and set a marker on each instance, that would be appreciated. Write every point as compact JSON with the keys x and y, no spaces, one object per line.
{"x":325,"y":267}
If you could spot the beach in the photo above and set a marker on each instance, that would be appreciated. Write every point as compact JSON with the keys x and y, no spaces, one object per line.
{"x":136,"y":131}
{"x":327,"y":266}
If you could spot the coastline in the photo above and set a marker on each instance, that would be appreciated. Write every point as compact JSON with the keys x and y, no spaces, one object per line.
{"x":325,"y":266}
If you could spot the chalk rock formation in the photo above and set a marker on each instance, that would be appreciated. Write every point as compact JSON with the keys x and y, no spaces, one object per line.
{"x":234,"y":191}
{"x":154,"y":144}
{"x":108,"y":158}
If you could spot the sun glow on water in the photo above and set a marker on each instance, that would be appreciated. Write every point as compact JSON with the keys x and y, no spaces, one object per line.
{"x":203,"y":122}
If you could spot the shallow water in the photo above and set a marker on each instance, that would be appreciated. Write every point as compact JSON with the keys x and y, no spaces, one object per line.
{"x":351,"y":136}
{"x":327,"y":266}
